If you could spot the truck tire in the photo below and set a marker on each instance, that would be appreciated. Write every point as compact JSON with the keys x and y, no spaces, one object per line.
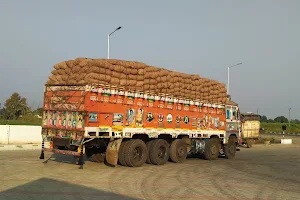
{"x":212,"y":149}
{"x":136,"y":153}
{"x":122,"y":152}
{"x":149,"y":144}
{"x":230,"y":149}
{"x":159,"y":152}
{"x":249,"y":143}
{"x":178,"y":151}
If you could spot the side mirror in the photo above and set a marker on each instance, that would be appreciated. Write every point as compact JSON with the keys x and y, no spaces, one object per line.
{"x":283,"y":127}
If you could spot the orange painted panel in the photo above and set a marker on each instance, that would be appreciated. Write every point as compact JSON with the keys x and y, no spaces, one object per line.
{"x":118,"y":110}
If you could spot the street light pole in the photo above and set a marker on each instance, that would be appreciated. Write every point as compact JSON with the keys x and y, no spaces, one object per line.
{"x":228,"y":75}
{"x":108,"y":38}
{"x":289,"y":117}
{"x":228,"y":80}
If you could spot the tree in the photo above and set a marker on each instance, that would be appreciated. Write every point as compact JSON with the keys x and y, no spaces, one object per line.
{"x":2,"y":111}
{"x":263,"y":118}
{"x":38,"y":111}
{"x":15,"y":106}
{"x":281,"y":119}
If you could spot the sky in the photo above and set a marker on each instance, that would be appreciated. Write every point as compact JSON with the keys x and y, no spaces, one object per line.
{"x":192,"y":36}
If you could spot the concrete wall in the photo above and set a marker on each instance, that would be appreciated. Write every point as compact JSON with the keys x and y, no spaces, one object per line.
{"x":15,"y":134}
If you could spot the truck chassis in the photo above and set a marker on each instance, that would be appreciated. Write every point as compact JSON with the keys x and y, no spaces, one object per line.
{"x":140,"y":148}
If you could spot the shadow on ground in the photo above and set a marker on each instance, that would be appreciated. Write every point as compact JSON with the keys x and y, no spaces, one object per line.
{"x":50,"y":157}
{"x":68,"y":159}
{"x":49,"y":189}
{"x":61,"y":158}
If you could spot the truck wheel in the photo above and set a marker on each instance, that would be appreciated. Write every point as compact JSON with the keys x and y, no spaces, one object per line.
{"x":230,"y":149}
{"x":178,"y":151}
{"x":149,"y":144}
{"x":212,"y":149}
{"x":122,"y":152}
{"x":249,"y":143}
{"x":136,"y":153}
{"x":159,"y":152}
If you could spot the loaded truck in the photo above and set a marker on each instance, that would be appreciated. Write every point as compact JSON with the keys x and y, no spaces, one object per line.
{"x":148,"y":115}
{"x":250,"y":128}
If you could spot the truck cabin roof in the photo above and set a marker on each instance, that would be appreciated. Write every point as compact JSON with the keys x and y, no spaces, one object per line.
{"x":231,"y":103}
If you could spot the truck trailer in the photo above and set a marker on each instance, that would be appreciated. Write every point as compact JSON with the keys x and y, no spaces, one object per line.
{"x":250,"y":128}
{"x":87,"y":111}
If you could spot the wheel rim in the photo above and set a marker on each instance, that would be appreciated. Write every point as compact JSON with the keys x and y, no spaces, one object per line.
{"x":180,"y":152}
{"x":138,"y":154}
{"x":214,"y":150}
{"x":231,"y":149}
{"x":161,"y":152}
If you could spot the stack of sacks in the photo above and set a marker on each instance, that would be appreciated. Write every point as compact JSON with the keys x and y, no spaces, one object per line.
{"x":137,"y":76}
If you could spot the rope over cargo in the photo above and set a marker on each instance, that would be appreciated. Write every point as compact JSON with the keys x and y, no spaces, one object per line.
{"x":137,"y":76}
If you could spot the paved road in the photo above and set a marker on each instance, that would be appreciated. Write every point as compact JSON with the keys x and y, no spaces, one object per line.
{"x":263,"y":172}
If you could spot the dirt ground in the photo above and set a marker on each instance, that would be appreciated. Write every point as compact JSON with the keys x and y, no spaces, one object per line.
{"x":262,"y":172}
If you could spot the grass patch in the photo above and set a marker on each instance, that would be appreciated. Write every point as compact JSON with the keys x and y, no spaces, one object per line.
{"x":276,"y":127}
{"x":29,"y":120}
{"x":20,"y":122}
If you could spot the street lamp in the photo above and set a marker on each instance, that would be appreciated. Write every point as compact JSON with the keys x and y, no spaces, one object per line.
{"x":108,"y":37}
{"x":290,"y":117}
{"x":228,"y":76}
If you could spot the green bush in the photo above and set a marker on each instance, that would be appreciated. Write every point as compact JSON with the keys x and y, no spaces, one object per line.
{"x":272,"y":140}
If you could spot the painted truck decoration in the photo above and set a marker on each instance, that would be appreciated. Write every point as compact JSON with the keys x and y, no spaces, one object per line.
{"x":135,"y":127}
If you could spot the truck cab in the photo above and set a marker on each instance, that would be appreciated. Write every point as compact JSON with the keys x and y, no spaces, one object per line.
{"x":233,"y":121}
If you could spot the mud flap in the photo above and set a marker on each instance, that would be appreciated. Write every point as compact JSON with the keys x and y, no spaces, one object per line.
{"x":112,"y":151}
